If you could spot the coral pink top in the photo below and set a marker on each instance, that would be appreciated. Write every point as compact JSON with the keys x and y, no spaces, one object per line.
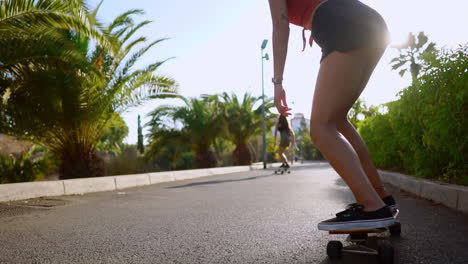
{"x":299,"y":11}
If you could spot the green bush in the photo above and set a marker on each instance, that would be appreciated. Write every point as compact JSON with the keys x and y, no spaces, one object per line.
{"x":307,"y":149}
{"x":424,"y":132}
{"x":22,"y":168}
{"x":128,"y":162}
{"x":381,"y":141}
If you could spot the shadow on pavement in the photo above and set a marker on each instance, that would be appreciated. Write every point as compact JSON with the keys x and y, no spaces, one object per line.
{"x":305,"y":166}
{"x":221,"y":181}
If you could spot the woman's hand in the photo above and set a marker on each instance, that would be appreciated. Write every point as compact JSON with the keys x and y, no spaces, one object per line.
{"x":280,"y":101}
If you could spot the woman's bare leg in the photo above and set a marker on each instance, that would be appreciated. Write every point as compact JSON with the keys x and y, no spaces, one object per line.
{"x":341,"y":79}
{"x":349,"y":132}
{"x":353,"y":137}
{"x":283,"y":157}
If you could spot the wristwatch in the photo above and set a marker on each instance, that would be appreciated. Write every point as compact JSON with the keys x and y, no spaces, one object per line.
{"x":277,"y":81}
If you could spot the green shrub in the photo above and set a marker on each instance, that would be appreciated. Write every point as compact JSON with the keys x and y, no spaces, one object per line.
{"x":22,"y":168}
{"x":128,"y":162}
{"x":380,"y":138}
{"x":427,"y":126}
{"x":307,"y":149}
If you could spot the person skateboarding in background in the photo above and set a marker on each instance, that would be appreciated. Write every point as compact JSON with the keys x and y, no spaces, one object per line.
{"x":286,"y":137}
{"x":353,"y":38}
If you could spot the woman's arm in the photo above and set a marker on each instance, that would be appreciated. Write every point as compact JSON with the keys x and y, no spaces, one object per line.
{"x":279,"y":16}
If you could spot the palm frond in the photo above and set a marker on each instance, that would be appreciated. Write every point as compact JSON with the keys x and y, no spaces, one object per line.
{"x":133,"y":30}
{"x":17,"y":17}
{"x":144,"y":88}
{"x":124,"y":19}
{"x":137,"y":55}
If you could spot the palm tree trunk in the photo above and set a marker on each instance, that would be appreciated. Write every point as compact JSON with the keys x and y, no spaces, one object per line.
{"x":204,"y":158}
{"x":81,"y":164}
{"x":242,"y":155}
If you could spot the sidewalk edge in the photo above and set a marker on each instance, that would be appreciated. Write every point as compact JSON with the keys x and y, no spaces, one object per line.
{"x":452,"y":196}
{"x":30,"y":190}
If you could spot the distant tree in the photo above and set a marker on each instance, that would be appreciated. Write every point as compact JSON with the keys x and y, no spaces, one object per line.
{"x":412,"y":52}
{"x":196,"y":125}
{"x":242,"y":120}
{"x":140,"y":144}
{"x":114,"y":133}
{"x":307,"y":149}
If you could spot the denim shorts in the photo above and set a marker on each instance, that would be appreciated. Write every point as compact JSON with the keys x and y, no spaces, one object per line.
{"x":344,"y":25}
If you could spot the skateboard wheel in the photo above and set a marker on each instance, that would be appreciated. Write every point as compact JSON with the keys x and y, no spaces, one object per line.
{"x":334,"y":249}
{"x":282,"y":172}
{"x":395,"y":229}
{"x":386,"y":253}
{"x":289,"y":172}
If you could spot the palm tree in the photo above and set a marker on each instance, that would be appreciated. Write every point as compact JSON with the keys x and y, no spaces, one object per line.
{"x":243,"y":121}
{"x":412,"y":52}
{"x":29,"y":36}
{"x":169,"y":147}
{"x":199,"y":122}
{"x":114,"y":134}
{"x":24,"y":18}
{"x":67,"y":105}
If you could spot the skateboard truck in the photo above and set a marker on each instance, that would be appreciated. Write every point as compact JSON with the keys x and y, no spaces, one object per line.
{"x":360,"y":244}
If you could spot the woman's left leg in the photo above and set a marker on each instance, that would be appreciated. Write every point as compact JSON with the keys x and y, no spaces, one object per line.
{"x":353,"y":137}
{"x":341,"y":79}
{"x":283,"y":157}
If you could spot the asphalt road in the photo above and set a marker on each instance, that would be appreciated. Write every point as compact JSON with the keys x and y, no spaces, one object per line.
{"x":254,"y":217}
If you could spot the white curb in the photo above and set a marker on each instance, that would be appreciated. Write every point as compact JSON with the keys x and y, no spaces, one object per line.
{"x":27,"y":190}
{"x":30,"y":190}
{"x":130,"y":181}
{"x":82,"y":186}
{"x":452,"y":196}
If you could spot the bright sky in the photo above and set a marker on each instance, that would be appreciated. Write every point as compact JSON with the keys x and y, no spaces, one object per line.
{"x":216,"y":45}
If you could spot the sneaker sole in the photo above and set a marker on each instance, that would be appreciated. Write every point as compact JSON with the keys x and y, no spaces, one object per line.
{"x":356,"y":225}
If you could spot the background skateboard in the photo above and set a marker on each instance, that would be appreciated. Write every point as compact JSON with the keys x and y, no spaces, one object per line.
{"x":282,"y":170}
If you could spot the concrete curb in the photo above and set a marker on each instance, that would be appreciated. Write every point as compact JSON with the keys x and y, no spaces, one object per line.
{"x":29,"y":190}
{"x":452,"y":196}
{"x":26,"y":190}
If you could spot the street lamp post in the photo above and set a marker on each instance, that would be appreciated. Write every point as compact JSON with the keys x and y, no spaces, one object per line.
{"x":264,"y":43}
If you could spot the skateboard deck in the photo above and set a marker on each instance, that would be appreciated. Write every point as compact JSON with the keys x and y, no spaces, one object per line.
{"x":358,"y":231}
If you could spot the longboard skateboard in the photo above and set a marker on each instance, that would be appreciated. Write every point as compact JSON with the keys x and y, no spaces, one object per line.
{"x":282,"y":170}
{"x":362,"y":243}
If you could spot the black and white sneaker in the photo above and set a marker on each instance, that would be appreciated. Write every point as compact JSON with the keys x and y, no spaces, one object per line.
{"x":389,"y":201}
{"x":355,"y":218}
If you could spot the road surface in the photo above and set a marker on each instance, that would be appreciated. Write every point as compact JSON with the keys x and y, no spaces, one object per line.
{"x":253,"y":217}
